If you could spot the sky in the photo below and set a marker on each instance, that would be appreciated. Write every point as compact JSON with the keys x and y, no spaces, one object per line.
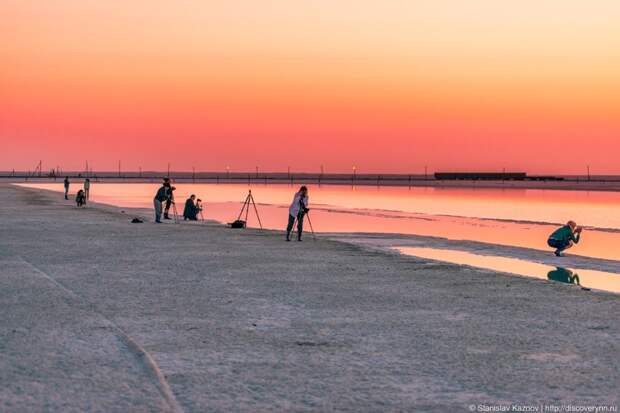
{"x":386,"y":86}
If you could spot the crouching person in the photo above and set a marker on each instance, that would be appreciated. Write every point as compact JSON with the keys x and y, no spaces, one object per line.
{"x":190,"y":212}
{"x":297,"y":210}
{"x":80,"y":198}
{"x":564,"y":237}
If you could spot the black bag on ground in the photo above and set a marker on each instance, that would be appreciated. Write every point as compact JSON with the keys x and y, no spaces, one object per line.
{"x":237,"y":224}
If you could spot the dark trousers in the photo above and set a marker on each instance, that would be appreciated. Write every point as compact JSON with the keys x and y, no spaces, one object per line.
{"x":300,"y":225}
{"x":559,"y":245}
{"x":157,"y":205}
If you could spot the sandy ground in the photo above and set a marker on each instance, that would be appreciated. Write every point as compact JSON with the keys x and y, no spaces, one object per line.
{"x":102,"y":315}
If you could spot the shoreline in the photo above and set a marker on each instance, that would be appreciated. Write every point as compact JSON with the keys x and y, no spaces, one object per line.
{"x":376,"y":211}
{"x":568,"y":185}
{"x":242,"y":320}
{"x":390,"y":241}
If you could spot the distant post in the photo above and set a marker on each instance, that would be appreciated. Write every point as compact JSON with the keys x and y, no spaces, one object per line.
{"x":588,"y":173}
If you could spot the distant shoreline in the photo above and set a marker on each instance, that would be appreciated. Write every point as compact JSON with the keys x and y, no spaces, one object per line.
{"x":570,"y":183}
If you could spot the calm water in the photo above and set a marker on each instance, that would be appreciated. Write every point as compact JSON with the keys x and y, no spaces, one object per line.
{"x":521,"y":218}
{"x":510,"y":217}
{"x":600,"y":280}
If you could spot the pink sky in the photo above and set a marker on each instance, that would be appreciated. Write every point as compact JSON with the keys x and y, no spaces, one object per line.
{"x":387,"y":86}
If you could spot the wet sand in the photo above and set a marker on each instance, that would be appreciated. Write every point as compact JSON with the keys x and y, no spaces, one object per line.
{"x":103,"y":315}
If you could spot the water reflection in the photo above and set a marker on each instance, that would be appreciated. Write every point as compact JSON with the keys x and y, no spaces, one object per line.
{"x":589,"y":278}
{"x":454,"y":214}
{"x":563,"y":275}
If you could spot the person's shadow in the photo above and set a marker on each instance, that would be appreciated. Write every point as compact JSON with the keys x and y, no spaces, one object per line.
{"x":563,"y":275}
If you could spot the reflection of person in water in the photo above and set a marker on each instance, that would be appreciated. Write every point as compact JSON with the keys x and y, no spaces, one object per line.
{"x":563,"y":275}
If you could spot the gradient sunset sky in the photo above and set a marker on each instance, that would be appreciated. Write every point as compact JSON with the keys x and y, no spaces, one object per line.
{"x":388,"y":86}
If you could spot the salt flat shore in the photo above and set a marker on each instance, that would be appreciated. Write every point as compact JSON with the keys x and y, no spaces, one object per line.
{"x":102,"y":315}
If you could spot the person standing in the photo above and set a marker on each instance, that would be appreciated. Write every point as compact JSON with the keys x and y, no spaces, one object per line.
{"x":87,"y":188}
{"x":297,"y":210}
{"x":160,"y":197}
{"x":66,"y":187}
{"x":170,"y":199}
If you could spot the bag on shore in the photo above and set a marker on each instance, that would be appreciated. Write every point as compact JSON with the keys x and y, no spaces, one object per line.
{"x":237,"y":224}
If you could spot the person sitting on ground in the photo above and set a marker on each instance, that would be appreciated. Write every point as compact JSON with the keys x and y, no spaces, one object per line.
{"x":297,"y":210}
{"x":190,"y":211}
{"x":80,"y":198}
{"x":564,"y":237}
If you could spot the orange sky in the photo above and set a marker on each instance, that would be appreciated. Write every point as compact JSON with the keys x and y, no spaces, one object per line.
{"x":387,"y":86}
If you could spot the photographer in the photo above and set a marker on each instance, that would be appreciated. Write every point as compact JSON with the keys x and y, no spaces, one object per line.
{"x":170,"y":199}
{"x":191,"y":210}
{"x":161,"y":196}
{"x":564,"y":237}
{"x":297,"y":210}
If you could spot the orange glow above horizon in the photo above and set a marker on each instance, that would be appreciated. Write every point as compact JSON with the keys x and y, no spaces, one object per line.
{"x":389,"y":87}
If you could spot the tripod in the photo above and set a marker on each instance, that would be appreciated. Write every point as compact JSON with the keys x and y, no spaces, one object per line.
{"x":246,"y":207}
{"x":309,"y":222}
{"x":199,"y":206}
{"x":174,"y":213}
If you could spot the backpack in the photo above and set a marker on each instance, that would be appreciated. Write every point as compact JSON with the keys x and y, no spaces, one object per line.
{"x":237,"y":224}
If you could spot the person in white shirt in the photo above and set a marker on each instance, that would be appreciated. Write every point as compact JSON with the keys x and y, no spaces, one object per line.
{"x":87,"y":188}
{"x":297,"y":210}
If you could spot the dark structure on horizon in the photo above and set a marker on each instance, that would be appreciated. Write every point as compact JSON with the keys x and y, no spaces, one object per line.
{"x":492,"y":176}
{"x":481,"y":176}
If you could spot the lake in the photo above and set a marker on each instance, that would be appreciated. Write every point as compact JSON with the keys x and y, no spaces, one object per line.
{"x":519,"y":220}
